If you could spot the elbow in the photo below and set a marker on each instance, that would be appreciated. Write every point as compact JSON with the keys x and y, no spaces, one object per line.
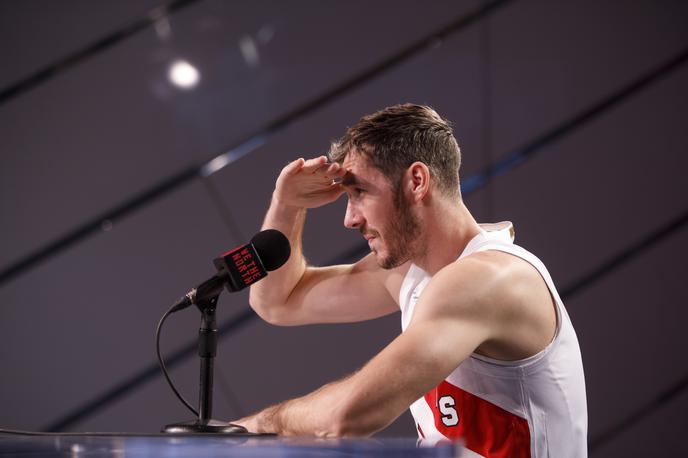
{"x":273,"y":301}
{"x":268,"y":309}
{"x":266,"y":313}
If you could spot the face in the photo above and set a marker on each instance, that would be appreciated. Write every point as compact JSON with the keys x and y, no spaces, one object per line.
{"x":380,"y":212}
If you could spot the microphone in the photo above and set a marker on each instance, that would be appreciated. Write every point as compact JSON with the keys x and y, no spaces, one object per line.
{"x":268,"y":250}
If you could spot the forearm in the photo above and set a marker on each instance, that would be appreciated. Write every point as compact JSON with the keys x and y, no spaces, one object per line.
{"x":270,"y":296}
{"x":301,"y":184}
{"x":319,"y":414}
{"x":290,"y":418}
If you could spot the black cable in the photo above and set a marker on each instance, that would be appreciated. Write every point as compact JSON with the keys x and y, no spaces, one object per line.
{"x":162,"y":362}
{"x":475,"y":182}
{"x":247,"y":315}
{"x":143,"y":376}
{"x":471,"y":184}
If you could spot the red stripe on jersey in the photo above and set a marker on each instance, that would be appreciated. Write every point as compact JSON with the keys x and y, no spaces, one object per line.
{"x":485,"y":428}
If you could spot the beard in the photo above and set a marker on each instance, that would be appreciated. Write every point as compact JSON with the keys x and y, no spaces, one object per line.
{"x":401,"y":235}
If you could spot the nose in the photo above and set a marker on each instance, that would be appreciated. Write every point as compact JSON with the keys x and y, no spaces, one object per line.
{"x":352,"y":218}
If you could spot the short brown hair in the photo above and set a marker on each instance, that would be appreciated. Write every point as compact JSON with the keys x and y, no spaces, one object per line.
{"x":394,"y":138}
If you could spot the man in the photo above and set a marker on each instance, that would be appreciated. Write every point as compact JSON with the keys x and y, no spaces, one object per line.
{"x":487,"y":353}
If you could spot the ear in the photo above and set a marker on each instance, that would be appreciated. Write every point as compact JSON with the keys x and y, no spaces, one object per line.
{"x":417,"y":181}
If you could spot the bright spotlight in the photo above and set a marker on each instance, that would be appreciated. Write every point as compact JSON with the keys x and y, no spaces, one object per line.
{"x":183,"y":75}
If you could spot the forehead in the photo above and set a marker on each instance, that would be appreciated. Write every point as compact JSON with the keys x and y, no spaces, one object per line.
{"x":354,"y":159}
{"x":359,"y":171}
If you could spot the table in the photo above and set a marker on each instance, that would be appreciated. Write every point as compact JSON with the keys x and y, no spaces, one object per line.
{"x":122,"y":445}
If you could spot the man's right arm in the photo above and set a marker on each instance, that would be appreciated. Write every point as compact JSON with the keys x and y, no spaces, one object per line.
{"x":300,"y":294}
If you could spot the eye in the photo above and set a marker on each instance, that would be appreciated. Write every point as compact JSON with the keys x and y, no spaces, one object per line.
{"x":356,"y":192}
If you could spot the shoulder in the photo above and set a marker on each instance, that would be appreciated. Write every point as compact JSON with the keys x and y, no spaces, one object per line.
{"x":500,"y":299}
{"x":483,"y":285}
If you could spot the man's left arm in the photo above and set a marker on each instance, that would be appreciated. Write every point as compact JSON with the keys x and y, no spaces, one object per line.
{"x":450,"y":321}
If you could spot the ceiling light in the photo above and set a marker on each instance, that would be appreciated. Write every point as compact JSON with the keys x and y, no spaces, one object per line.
{"x":183,"y":75}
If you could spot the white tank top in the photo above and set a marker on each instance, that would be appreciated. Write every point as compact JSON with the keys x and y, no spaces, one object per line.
{"x":535,"y":407}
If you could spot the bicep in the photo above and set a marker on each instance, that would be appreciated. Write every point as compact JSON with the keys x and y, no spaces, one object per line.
{"x":343,"y":293}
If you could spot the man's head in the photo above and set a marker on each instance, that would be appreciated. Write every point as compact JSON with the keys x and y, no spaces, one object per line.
{"x":379,"y":151}
{"x":394,"y":138}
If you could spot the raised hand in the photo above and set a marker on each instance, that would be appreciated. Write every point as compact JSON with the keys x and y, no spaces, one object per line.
{"x":309,"y":183}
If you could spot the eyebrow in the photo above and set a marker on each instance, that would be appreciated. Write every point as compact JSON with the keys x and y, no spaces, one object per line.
{"x":349,"y":179}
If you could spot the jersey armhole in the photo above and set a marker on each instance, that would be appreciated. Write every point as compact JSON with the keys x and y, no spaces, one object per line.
{"x":519,"y":252}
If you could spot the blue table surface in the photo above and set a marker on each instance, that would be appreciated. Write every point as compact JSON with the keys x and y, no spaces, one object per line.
{"x":128,"y":445}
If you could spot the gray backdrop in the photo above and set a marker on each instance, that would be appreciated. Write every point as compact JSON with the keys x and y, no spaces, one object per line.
{"x":109,"y":126}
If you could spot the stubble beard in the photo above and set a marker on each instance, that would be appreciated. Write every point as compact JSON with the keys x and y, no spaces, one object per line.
{"x":402,"y":235}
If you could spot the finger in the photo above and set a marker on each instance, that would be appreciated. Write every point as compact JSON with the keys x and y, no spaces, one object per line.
{"x":330,"y":170}
{"x":294,"y":166}
{"x":314,"y":164}
{"x":337,"y":170}
{"x":323,"y":169}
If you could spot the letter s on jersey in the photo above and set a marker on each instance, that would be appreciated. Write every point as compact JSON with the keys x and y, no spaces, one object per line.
{"x":450,"y":417}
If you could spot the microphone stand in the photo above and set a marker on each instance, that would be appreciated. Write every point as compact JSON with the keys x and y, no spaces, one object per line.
{"x":207,"y":349}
